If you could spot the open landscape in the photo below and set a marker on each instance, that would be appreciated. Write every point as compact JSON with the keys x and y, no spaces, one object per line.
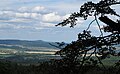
{"x":27,"y":51}
{"x":59,"y":37}
{"x":38,"y":57}
{"x":33,"y":52}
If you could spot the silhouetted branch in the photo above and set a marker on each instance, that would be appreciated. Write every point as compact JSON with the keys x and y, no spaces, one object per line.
{"x":98,"y":25}
{"x":113,"y":25}
{"x":91,"y":9}
{"x":55,"y":46}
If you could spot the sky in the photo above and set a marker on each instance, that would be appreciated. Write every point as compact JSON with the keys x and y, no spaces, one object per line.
{"x":36,"y":20}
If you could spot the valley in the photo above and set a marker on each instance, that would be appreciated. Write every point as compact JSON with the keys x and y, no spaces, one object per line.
{"x":26,"y":51}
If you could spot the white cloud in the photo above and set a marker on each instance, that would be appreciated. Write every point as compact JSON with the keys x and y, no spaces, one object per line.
{"x":23,"y":9}
{"x":27,"y":18}
{"x":11,"y":26}
{"x":23,"y":15}
{"x":6,"y":14}
{"x":31,"y":9}
{"x":51,"y":17}
{"x":16,"y":20}
{"x":48,"y":24}
{"x":36,"y":15}
{"x":28,"y":15}
{"x":66,"y":16}
{"x":38,"y":9}
{"x":42,"y":25}
{"x":54,"y":17}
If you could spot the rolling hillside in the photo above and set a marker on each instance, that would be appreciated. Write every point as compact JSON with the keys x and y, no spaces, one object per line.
{"x":27,"y":51}
{"x":25,"y":43}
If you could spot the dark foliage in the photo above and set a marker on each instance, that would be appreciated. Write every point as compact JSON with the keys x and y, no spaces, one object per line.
{"x":76,"y":53}
{"x":91,"y":9}
{"x":53,"y":67}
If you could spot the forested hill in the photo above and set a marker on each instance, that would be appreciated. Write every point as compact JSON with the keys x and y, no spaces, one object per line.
{"x":26,"y":43}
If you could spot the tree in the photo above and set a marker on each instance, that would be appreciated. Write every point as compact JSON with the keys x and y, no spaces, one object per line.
{"x":101,"y":47}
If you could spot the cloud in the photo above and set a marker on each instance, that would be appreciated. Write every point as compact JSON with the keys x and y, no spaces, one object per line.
{"x":31,"y":18}
{"x":54,"y":17}
{"x":38,"y":8}
{"x":22,"y":15}
{"x":28,"y":15}
{"x":23,"y":9}
{"x":17,"y":27}
{"x":51,"y":17}
{"x":11,"y":26}
{"x":35,"y":9}
{"x":41,"y":25}
{"x":16,"y":20}
{"x":66,"y":16}
{"x":5,"y":15}
{"x":36,"y":16}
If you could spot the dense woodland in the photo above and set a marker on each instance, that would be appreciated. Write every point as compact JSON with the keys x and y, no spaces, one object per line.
{"x":74,"y":58}
{"x":52,"y":67}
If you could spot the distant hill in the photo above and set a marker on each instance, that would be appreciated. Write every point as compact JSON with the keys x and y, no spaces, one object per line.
{"x":27,"y":51}
{"x":24,"y":51}
{"x":25,"y":43}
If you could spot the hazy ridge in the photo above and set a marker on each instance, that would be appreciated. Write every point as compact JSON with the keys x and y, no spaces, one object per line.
{"x":27,"y":51}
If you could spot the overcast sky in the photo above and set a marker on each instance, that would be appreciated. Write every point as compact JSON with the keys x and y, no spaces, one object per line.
{"x":36,"y":20}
